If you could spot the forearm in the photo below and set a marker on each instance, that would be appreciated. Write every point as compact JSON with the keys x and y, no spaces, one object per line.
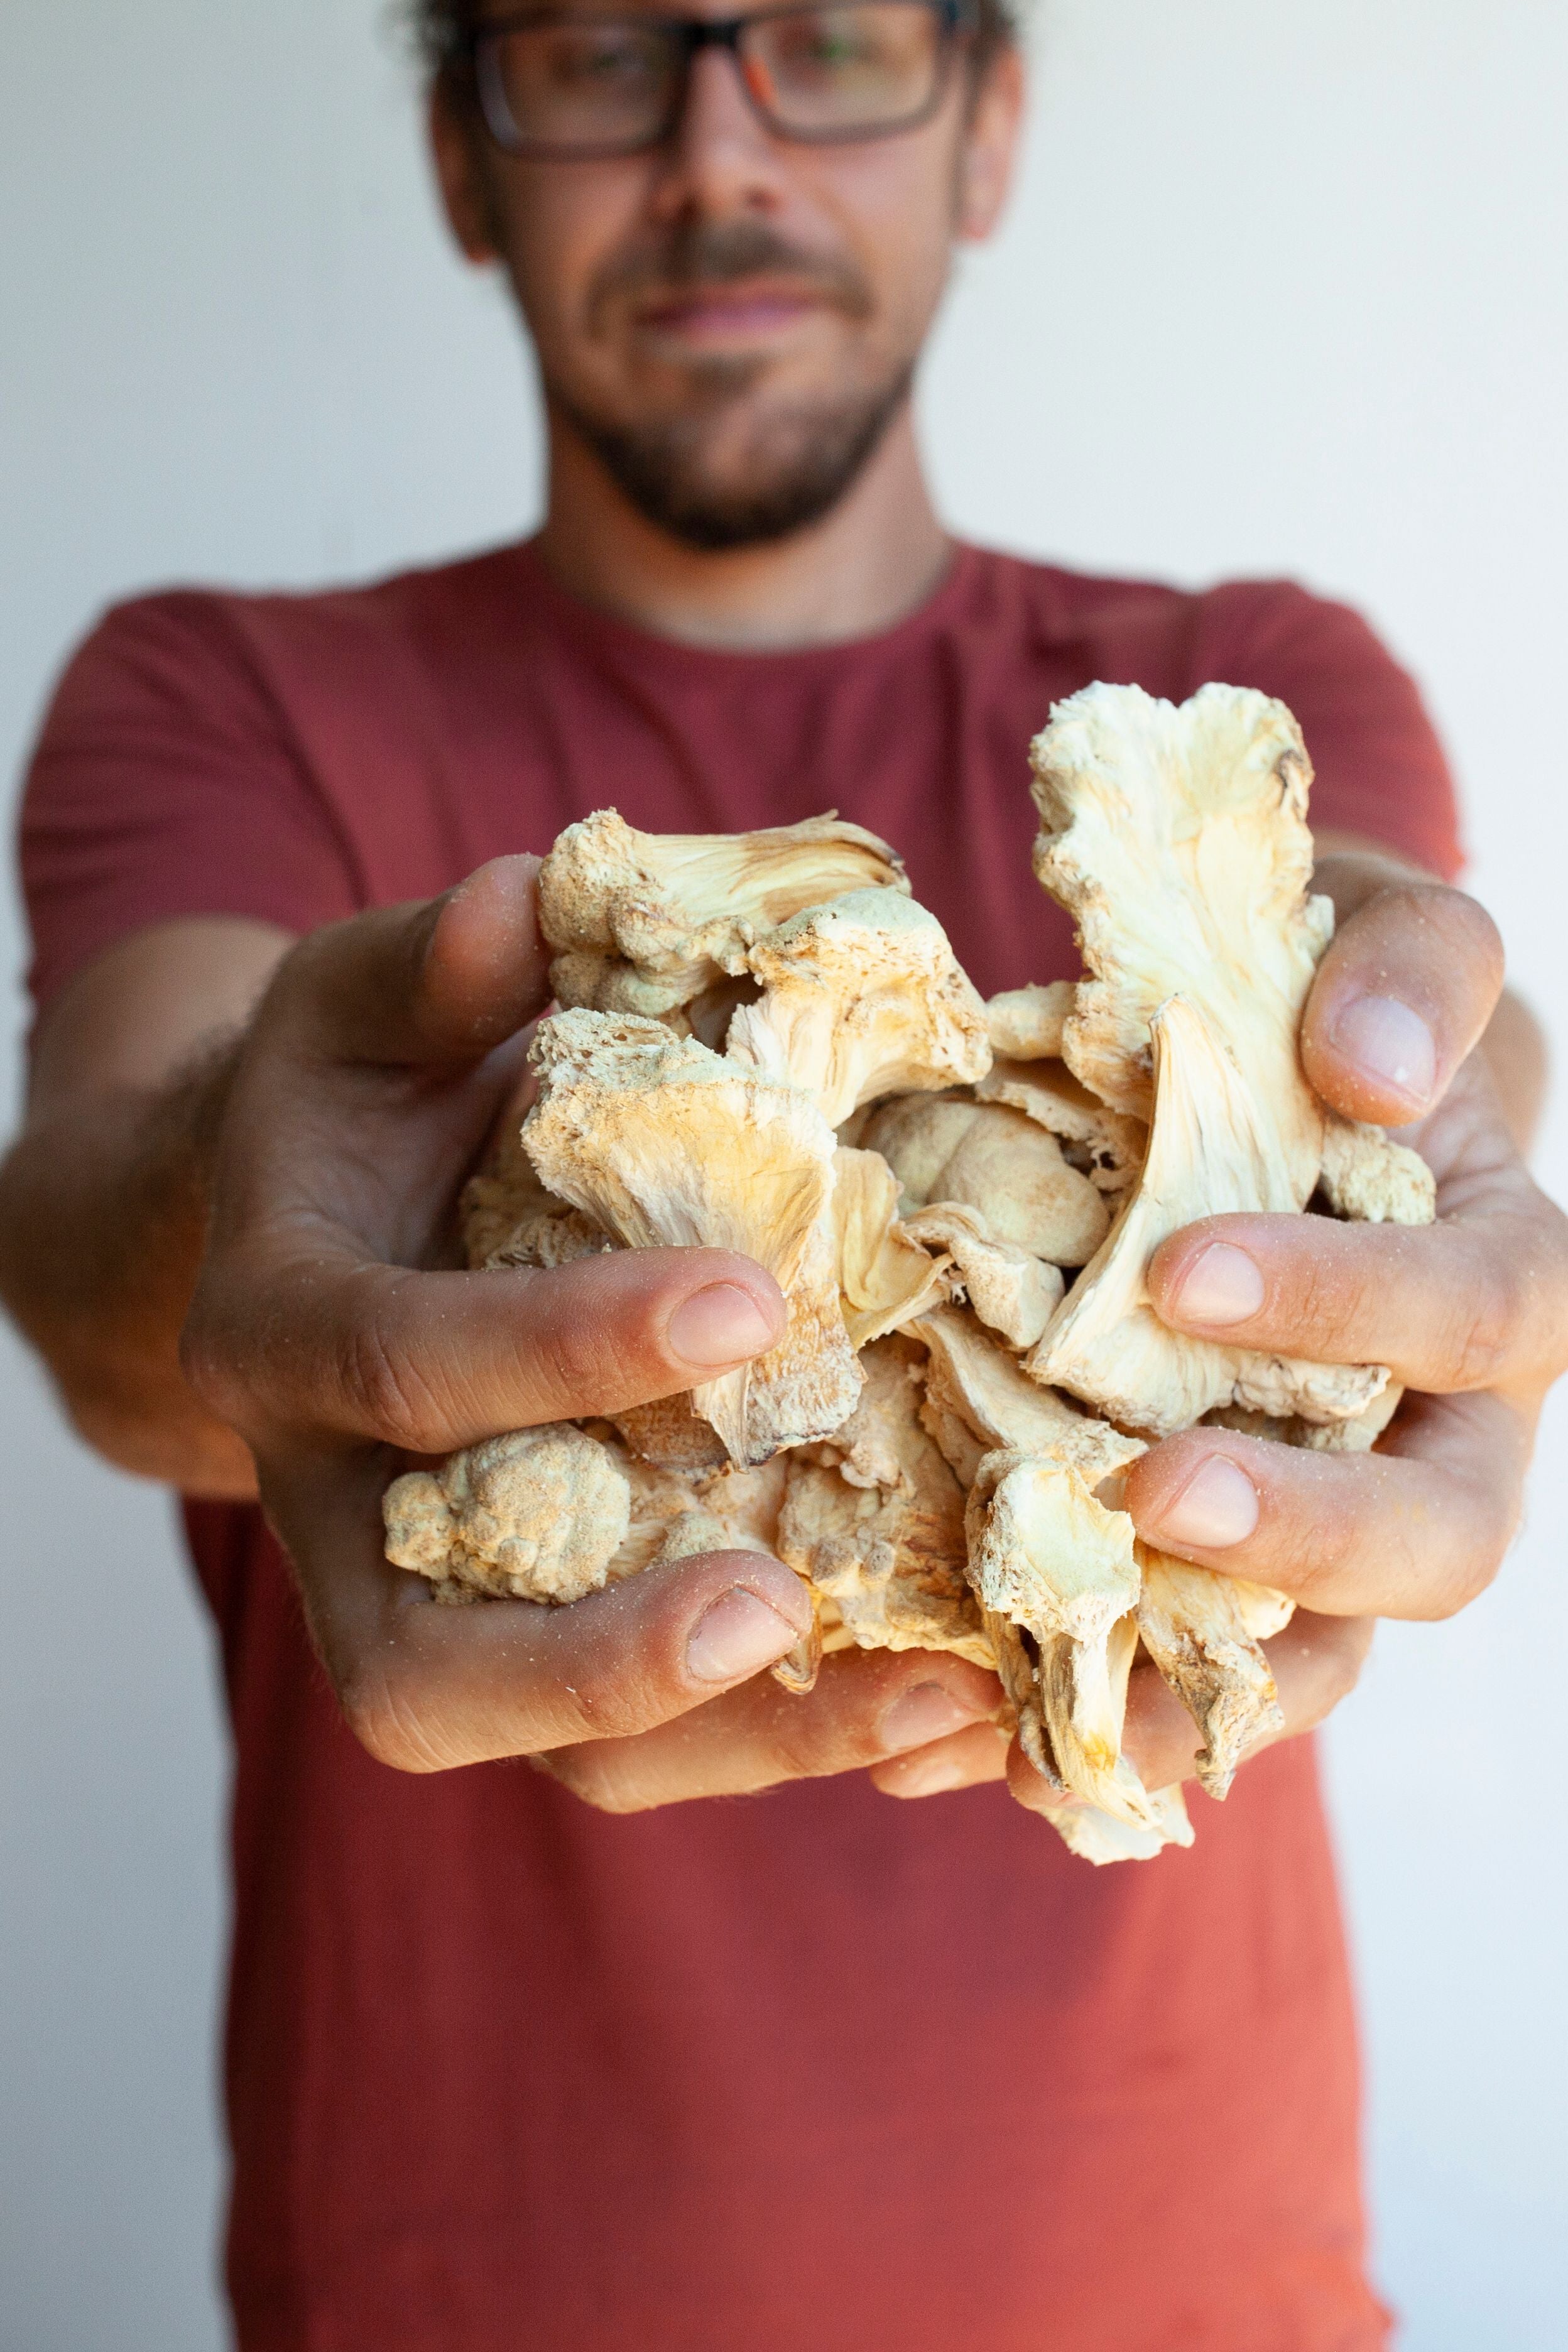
{"x":103,"y":1220}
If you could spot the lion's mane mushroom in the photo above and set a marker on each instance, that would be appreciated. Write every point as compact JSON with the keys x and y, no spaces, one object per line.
{"x":1047,"y":1558}
{"x":990,"y":1187}
{"x":660,"y":1141}
{"x":1203,"y":1630}
{"x":1109,"y":1148}
{"x":536,"y":1516}
{"x":1013,"y":1292}
{"x":860,"y":998}
{"x":1210,"y":1149}
{"x":1026,"y":1024}
{"x":886,"y":1279}
{"x":645,"y":922}
{"x":873,"y":1522}
{"x":1178,"y":840}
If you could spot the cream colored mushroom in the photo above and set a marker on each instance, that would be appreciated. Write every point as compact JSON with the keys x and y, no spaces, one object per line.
{"x":1026,"y":1024}
{"x":860,"y":998}
{"x":917,"y":1135}
{"x":1014,"y":1293}
{"x":1198,"y":1628}
{"x":974,"y":1382}
{"x":1048,"y":1556}
{"x":660,"y":1141}
{"x":997,"y":1162}
{"x":643,"y":922}
{"x":1109,"y":1148}
{"x":1211,"y":1149}
{"x":536,"y":1516}
{"x":873,"y":1521}
{"x":1367,"y":1176}
{"x":1178,"y":841}
{"x":885,"y":1277}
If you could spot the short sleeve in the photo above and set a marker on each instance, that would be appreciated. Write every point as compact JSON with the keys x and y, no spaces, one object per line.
{"x":1380,"y":769}
{"x":166,"y":782}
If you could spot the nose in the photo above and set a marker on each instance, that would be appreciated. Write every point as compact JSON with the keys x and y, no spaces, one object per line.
{"x":721,"y":159}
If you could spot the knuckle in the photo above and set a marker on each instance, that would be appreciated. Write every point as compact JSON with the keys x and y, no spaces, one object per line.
{"x":389,"y":1710}
{"x":1482,"y":1339}
{"x":384,"y":1390}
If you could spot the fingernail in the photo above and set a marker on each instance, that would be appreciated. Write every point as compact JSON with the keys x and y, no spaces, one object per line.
{"x":926,"y":1713}
{"x":737,"y":1635}
{"x":1223,"y":1286}
{"x":720,"y":1324}
{"x":1390,"y":1042}
{"x":1216,"y":1507}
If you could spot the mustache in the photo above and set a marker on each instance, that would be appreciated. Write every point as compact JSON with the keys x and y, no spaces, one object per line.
{"x":722,"y":253}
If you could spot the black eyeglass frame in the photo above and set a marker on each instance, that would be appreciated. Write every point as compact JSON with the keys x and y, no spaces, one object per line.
{"x":476,"y":47}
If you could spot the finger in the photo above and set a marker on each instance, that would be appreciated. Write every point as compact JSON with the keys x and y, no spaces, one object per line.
{"x":963,"y":1760}
{"x":1316,"y":1662}
{"x":1478,"y":1300}
{"x":430,"y":1363}
{"x":1416,"y":1530}
{"x":425,"y":1687}
{"x":1404,"y":991}
{"x":867,"y":1705}
{"x":435,"y":983}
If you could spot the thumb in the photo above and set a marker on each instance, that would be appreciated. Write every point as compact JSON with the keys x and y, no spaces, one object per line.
{"x":441,"y":981}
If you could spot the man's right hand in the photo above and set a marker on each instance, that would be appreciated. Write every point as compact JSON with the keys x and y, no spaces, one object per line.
{"x":332,"y":1327}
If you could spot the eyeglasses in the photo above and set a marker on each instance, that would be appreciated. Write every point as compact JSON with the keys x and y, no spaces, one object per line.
{"x":556,"y":83}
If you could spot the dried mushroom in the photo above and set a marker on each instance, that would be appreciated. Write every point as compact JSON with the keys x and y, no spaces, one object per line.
{"x":859,"y":998}
{"x":1177,"y":839}
{"x":644,"y":922}
{"x":1048,"y":1556}
{"x":1210,"y":1150}
{"x":1026,"y":1024}
{"x":536,"y":1516}
{"x":885,"y":1278}
{"x":1198,"y":1629}
{"x":1109,"y":1148}
{"x":873,"y":1521}
{"x":1367,"y":1176}
{"x":937,"y":1444}
{"x":661,"y":1141}
{"x":1014,"y":1293}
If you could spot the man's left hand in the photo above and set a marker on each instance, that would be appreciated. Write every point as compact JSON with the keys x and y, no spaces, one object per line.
{"x":1470,"y":1314}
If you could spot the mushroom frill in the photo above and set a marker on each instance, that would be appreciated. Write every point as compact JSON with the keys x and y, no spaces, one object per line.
{"x":765,"y":1044}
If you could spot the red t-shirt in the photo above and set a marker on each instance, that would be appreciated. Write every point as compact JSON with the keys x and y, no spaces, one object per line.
{"x":815,"y":2071}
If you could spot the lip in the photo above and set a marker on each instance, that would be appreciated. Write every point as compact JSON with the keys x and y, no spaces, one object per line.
{"x":729,"y":313}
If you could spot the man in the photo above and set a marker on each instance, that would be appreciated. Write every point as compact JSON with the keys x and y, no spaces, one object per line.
{"x":507,"y":2069}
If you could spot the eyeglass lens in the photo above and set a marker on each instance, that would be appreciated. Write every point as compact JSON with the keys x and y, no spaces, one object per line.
{"x":600,"y":82}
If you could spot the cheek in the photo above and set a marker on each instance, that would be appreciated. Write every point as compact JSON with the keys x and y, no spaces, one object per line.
{"x":559,"y":223}
{"x":893,"y":206}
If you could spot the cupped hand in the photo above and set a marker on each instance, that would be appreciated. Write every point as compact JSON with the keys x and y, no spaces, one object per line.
{"x":1470,"y":1314}
{"x":332,"y":1327}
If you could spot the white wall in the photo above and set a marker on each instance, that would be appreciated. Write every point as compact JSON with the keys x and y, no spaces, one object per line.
{"x":1283,"y":291}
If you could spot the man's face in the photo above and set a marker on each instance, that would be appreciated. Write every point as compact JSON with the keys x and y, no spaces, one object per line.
{"x":730,"y":320}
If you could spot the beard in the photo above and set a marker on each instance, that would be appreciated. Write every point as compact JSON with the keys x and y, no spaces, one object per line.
{"x":706,"y":474}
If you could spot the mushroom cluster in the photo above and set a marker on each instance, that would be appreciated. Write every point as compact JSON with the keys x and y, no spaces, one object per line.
{"x":765,"y":1044}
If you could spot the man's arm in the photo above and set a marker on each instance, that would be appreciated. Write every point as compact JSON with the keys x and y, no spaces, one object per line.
{"x":103,"y":1197}
{"x":288,"y":1200}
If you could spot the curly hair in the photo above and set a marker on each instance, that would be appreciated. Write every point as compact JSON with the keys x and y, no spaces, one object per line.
{"x":438,"y":26}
